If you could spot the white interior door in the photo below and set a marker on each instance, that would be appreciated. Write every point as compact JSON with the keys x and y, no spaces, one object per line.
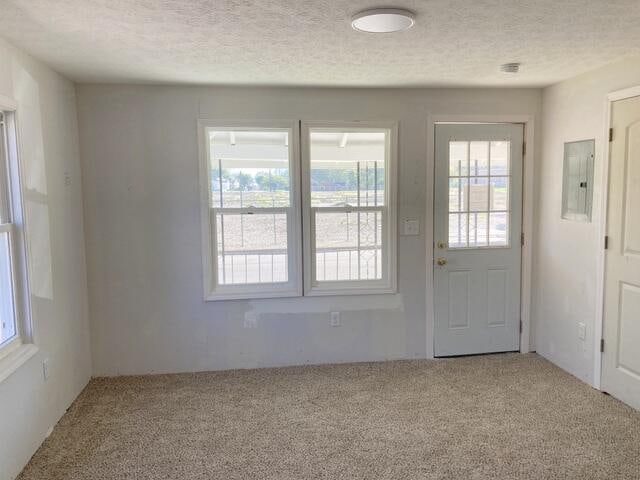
{"x":621,"y":360}
{"x":477,"y":246}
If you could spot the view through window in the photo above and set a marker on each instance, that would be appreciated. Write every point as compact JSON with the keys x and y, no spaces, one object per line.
{"x":8,"y":320}
{"x":348,"y":203}
{"x":253,"y":218}
{"x":251,"y":200}
{"x":479,"y":181}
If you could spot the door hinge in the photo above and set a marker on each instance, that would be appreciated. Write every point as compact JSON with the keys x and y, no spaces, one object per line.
{"x":524,"y":148}
{"x":606,"y":242}
{"x":611,"y":134}
{"x":522,"y":239}
{"x":602,"y":345}
{"x":520,"y":325}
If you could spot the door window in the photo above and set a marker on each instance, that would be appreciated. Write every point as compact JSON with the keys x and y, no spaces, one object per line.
{"x":479,"y":184}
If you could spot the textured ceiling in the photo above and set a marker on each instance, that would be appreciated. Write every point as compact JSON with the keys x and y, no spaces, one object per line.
{"x":310,"y":42}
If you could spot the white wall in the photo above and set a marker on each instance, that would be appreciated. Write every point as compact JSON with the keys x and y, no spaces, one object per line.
{"x":565,"y":277}
{"x":140,"y":167}
{"x":48,"y":127}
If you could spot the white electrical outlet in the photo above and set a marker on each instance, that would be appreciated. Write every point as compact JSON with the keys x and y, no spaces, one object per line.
{"x":250,"y":320}
{"x":335,"y":319}
{"x":45,"y":369}
{"x":582,"y":331}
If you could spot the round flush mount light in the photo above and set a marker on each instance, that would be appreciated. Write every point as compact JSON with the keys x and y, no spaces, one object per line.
{"x":383,"y":20}
{"x":510,"y":67}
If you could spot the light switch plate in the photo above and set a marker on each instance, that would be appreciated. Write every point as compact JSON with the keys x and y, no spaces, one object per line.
{"x":412,"y":227}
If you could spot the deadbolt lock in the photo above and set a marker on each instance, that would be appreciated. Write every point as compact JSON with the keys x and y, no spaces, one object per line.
{"x":442,"y":245}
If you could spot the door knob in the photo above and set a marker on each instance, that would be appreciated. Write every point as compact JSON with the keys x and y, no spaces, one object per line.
{"x":441,"y":262}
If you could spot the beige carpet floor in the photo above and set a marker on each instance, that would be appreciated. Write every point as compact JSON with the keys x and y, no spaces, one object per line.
{"x":490,"y":417}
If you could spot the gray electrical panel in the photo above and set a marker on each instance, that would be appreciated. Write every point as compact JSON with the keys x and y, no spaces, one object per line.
{"x":577,"y":181}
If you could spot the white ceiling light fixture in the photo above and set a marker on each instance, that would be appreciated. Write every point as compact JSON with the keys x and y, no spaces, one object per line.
{"x":383,"y":20}
{"x":513,"y":67}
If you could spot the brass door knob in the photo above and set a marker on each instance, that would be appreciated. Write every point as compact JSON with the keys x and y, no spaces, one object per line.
{"x":441,"y":262}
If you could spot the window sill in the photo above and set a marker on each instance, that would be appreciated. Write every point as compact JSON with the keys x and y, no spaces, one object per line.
{"x":13,"y":360}
{"x":239,"y":295}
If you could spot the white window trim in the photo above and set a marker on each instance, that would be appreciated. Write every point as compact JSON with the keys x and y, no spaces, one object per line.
{"x":291,"y":288}
{"x":20,"y":348}
{"x":352,"y":287}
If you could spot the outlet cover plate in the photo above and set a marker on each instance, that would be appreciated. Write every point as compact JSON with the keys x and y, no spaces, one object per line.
{"x":582,"y":331}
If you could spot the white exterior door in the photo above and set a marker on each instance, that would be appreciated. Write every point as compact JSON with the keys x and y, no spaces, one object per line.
{"x":477,"y":246}
{"x":621,"y":360}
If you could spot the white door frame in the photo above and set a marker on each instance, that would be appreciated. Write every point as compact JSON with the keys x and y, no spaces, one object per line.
{"x":527,"y":215}
{"x":602,"y":230}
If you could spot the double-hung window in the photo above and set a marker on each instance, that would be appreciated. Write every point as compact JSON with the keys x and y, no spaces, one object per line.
{"x":349,"y":172}
{"x":251,"y":222}
{"x":267,"y":205}
{"x":12,"y":267}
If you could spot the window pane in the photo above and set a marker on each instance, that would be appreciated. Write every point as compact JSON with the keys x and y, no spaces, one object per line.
{"x":500,"y":158}
{"x":347,"y":168}
{"x":348,"y":246}
{"x":479,"y":204}
{"x":458,"y":192}
{"x":249,"y":168}
{"x":458,"y":230}
{"x":499,"y":229}
{"x":478,"y":229}
{"x":252,"y":248}
{"x":479,"y":158}
{"x":7,"y":315}
{"x":500,"y":193}
{"x":478,"y":194}
{"x":458,"y":159}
